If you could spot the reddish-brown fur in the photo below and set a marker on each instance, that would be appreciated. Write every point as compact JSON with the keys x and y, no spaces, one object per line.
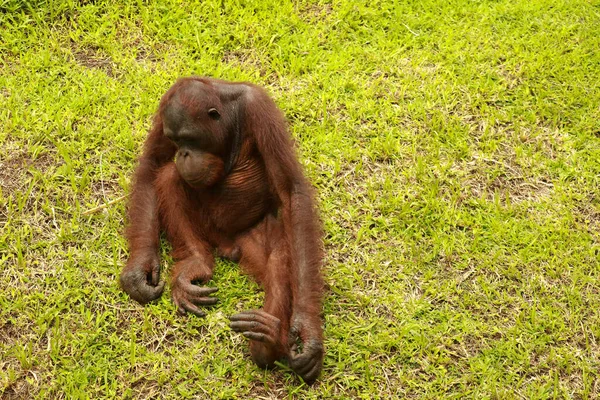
{"x":249,"y":201}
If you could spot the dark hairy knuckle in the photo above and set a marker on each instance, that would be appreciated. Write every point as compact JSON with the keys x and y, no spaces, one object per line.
{"x":127,"y":277}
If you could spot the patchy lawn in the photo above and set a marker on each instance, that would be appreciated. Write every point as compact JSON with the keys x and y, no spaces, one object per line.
{"x":455,"y":148}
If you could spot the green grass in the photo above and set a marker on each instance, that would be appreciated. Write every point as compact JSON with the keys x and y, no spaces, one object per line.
{"x":455,"y":148}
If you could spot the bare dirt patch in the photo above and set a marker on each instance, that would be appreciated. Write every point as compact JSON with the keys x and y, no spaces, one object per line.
{"x":93,"y":58}
{"x":16,"y":163}
{"x":315,"y":12}
{"x":488,"y":177}
{"x":247,"y":58}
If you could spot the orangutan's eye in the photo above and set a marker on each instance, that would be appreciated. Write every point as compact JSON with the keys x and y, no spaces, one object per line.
{"x":213,"y":113}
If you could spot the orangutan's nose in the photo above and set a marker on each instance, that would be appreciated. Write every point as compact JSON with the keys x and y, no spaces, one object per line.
{"x":183,"y":153}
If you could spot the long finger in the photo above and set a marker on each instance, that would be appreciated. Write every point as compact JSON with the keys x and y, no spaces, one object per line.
{"x":145,"y":293}
{"x":256,"y":315}
{"x":259,"y":337}
{"x":190,"y":307}
{"x":204,"y":301}
{"x":199,"y":291}
{"x":303,"y":368}
{"x":251,"y":326}
{"x":155,"y":275}
{"x":298,"y":360}
{"x":313,"y":374}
